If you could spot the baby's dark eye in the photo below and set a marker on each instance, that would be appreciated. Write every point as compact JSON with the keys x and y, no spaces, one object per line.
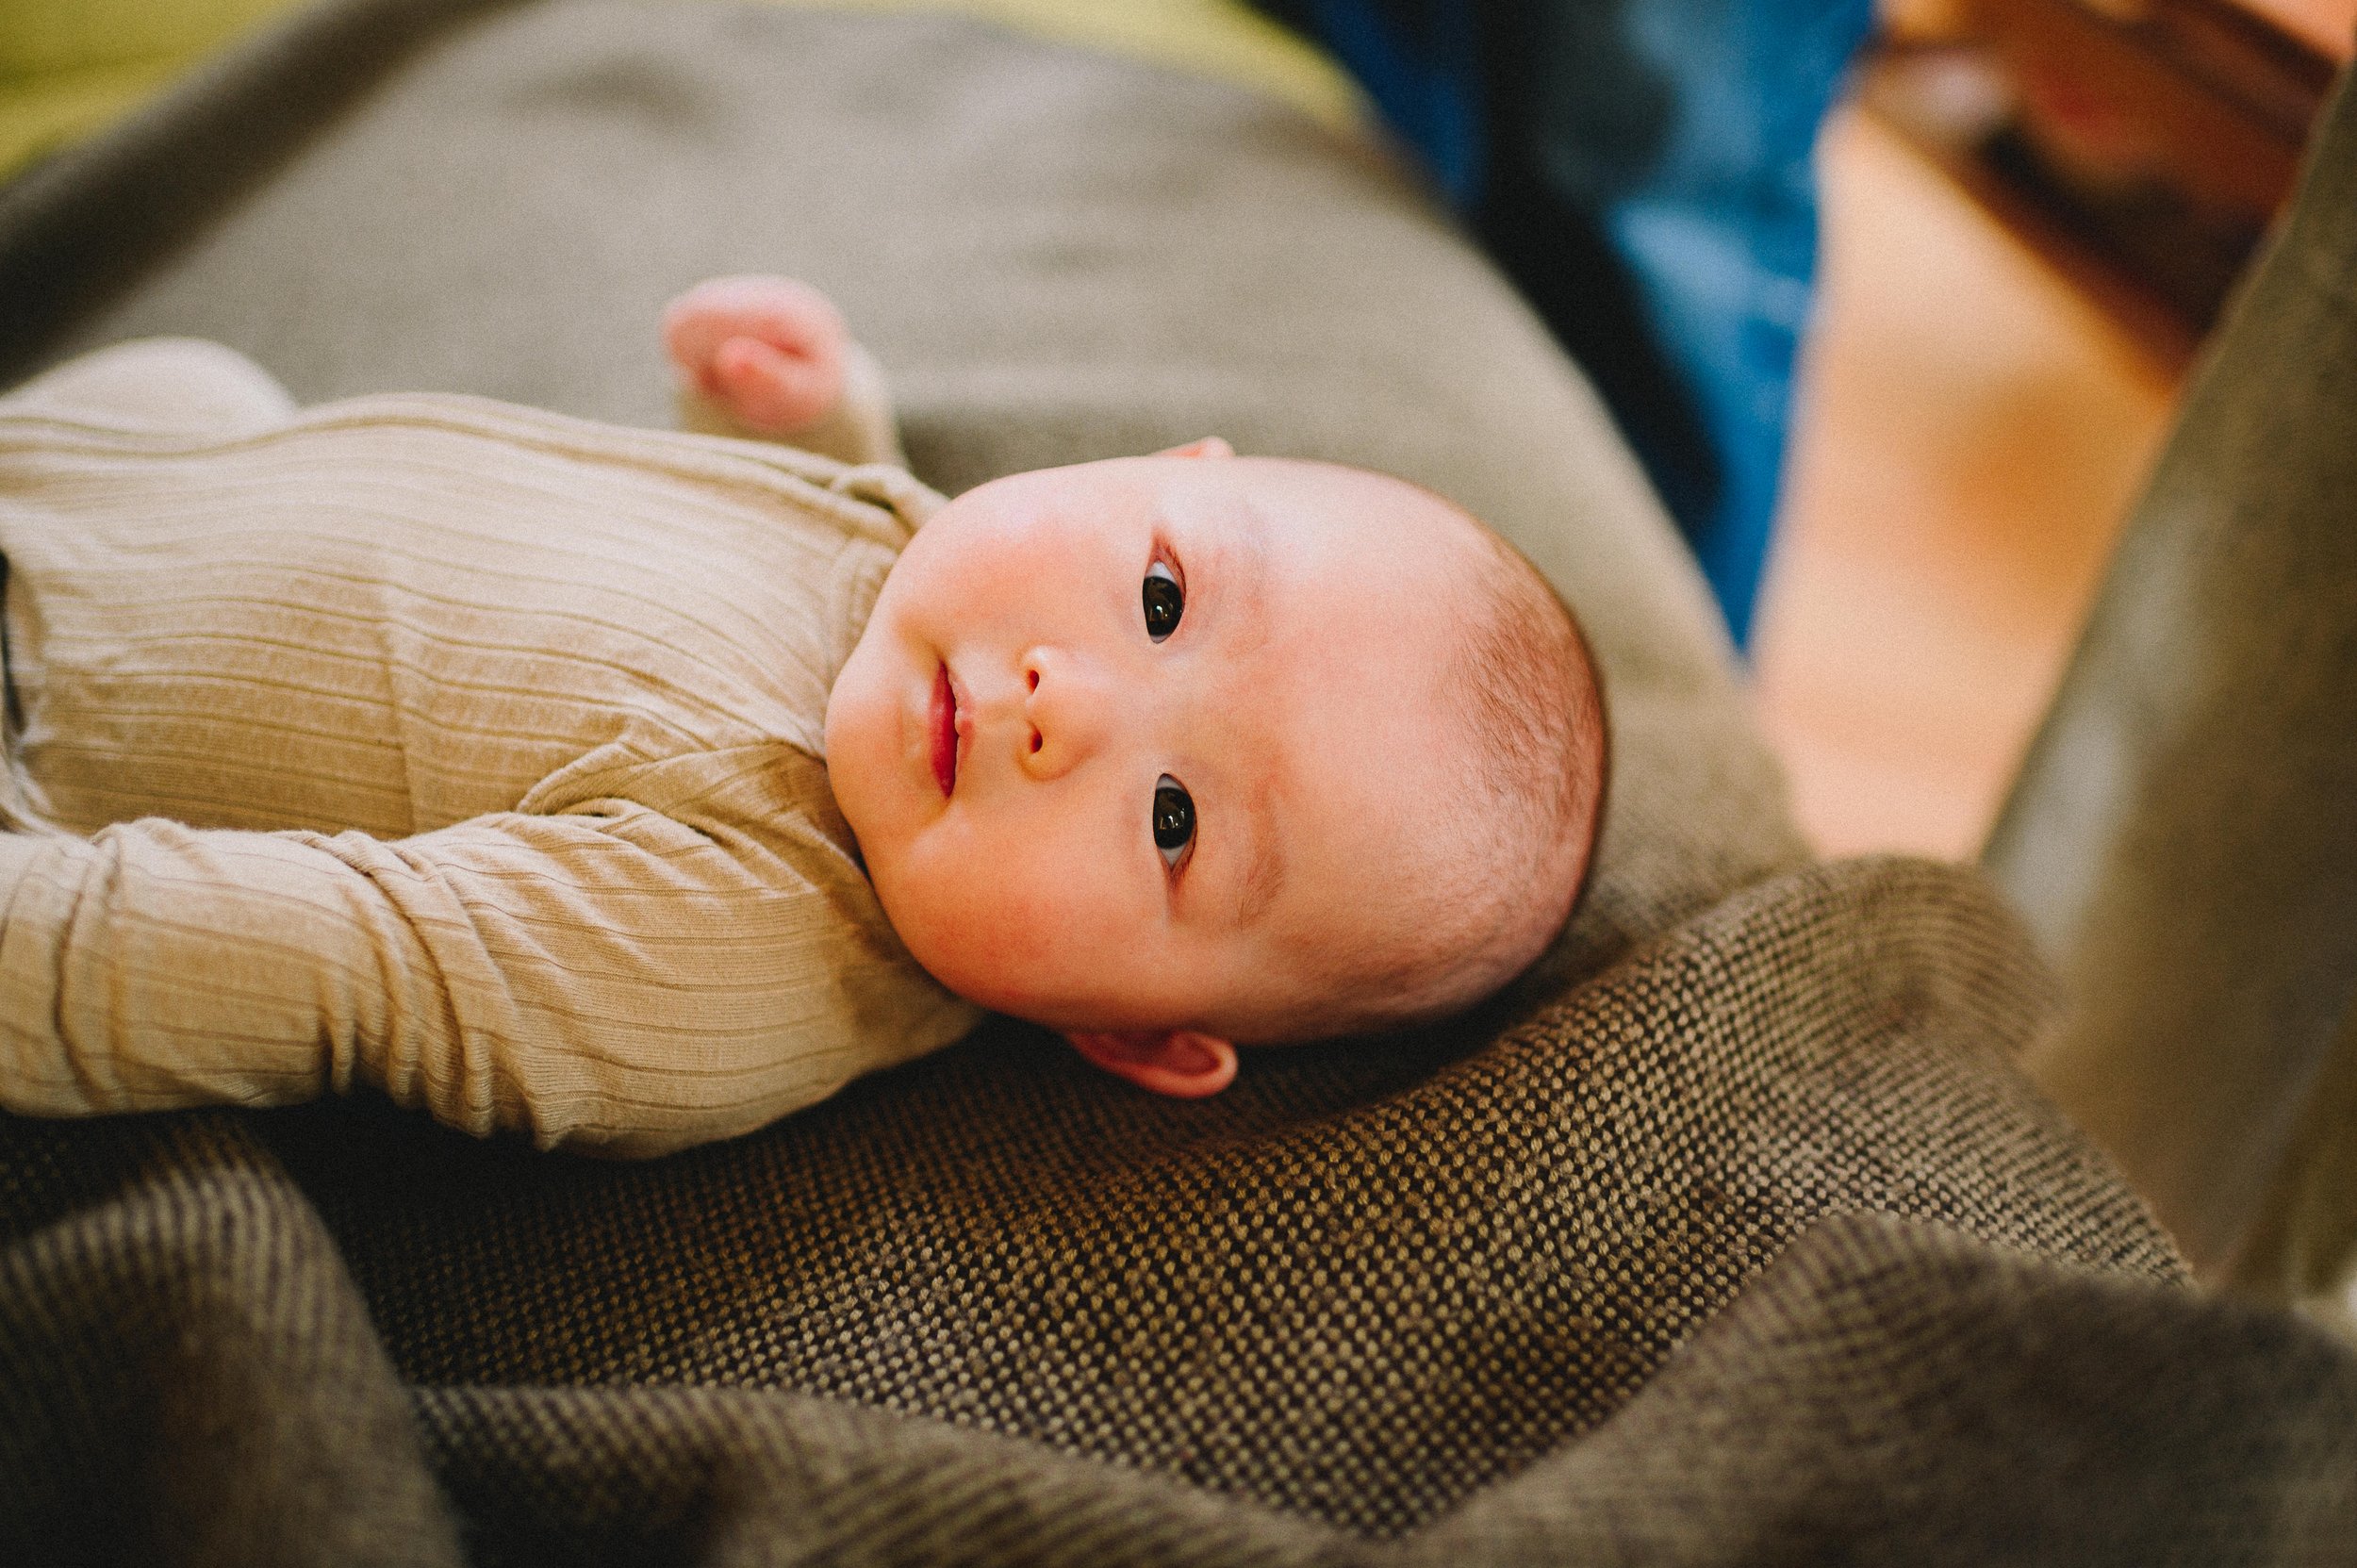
{"x":1165,"y":601}
{"x":1173,"y":817}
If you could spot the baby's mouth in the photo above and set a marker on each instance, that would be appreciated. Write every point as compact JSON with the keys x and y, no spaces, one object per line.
{"x":945,"y":721}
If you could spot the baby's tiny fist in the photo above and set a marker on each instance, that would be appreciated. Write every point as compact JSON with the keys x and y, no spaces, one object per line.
{"x":770,"y":349}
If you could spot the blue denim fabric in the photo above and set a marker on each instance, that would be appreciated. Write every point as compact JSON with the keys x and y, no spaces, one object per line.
{"x":1422,"y":69}
{"x":1676,"y":138}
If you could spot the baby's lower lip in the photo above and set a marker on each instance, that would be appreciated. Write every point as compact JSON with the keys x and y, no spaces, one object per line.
{"x":943,"y":714}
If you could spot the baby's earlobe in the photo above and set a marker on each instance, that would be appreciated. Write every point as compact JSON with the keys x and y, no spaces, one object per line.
{"x":1208,"y":446}
{"x":1185,"y":1064}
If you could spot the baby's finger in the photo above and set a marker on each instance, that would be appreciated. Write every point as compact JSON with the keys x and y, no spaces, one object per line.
{"x":773,"y":390}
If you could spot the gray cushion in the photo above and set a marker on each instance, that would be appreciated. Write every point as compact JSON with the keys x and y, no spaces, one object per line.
{"x":2180,"y":835}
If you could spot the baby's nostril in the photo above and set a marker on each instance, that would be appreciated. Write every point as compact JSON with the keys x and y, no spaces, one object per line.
{"x":1033,"y":676}
{"x":1036,"y":740}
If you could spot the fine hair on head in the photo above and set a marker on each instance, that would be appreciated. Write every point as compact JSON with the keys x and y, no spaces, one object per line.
{"x":1530,"y":745}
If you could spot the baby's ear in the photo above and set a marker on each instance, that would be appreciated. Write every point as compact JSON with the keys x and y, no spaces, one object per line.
{"x":1185,"y":1064}
{"x":1210,"y":446}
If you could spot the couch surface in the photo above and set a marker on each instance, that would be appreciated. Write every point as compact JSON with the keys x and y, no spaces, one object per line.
{"x":2180,"y":836}
{"x":1733,"y":1232}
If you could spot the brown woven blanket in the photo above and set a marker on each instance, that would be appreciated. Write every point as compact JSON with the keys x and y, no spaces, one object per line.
{"x":1733,"y":1235}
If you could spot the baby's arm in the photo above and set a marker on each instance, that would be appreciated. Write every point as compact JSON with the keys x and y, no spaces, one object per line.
{"x":770,"y":356}
{"x":609,"y":978}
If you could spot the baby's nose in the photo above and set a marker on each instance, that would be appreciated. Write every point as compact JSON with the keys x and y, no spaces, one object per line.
{"x":1068,"y":709}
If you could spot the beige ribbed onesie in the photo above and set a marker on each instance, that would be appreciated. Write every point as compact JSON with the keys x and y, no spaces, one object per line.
{"x":463,"y":750}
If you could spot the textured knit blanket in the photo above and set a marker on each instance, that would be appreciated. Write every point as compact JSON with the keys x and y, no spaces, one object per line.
{"x":1733,"y":1234}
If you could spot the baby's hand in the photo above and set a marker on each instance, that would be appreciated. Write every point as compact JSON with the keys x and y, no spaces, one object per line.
{"x":770,"y":349}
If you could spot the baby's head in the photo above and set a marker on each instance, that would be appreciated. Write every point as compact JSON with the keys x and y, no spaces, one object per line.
{"x":1178,"y":753}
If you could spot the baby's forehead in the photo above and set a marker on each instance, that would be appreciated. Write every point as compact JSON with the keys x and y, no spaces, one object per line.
{"x":1318,"y":488}
{"x":1339,"y":590}
{"x":1357,"y":753}
{"x":1347,"y":520}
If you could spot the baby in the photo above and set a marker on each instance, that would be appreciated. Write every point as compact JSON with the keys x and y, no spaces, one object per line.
{"x":630,"y":790}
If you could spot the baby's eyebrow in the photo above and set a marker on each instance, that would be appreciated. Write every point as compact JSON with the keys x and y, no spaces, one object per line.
{"x":1264,"y":858}
{"x":1241,"y":608}
{"x":1243,"y":589}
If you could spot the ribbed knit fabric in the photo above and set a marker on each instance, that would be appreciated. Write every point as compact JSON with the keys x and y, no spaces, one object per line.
{"x":465,"y":750}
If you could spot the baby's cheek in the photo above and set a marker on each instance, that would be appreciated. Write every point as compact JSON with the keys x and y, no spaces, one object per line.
{"x":1046,"y":952}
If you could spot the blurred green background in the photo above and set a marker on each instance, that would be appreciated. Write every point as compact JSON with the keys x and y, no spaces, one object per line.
{"x":70,"y":67}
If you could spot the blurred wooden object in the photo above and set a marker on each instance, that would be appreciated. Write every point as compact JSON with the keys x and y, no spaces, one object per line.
{"x":2140,"y":147}
{"x":1971,"y":429}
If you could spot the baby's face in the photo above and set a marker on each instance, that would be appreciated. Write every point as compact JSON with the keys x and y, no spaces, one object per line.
{"x":1123,"y":742}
